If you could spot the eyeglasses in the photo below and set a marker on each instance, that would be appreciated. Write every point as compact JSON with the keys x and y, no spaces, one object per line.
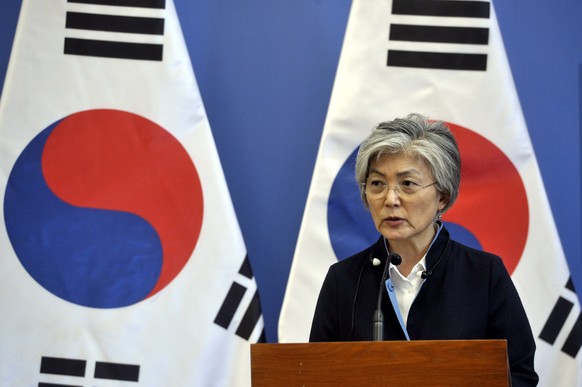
{"x":376,"y":188}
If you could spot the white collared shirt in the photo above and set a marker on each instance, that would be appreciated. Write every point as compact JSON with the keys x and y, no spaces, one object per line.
{"x":407,"y":288}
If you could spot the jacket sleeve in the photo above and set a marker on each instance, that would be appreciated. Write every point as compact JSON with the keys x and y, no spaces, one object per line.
{"x":324,"y":326}
{"x":507,"y":319}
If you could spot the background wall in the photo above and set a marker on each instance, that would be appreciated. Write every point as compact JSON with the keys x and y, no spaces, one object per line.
{"x":266,"y":68}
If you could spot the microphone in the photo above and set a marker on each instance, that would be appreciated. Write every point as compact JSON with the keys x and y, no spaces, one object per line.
{"x":395,"y":259}
{"x":378,"y":333}
{"x":424,"y":274}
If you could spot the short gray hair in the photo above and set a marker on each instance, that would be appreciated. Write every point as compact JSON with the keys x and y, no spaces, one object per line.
{"x":431,"y":141}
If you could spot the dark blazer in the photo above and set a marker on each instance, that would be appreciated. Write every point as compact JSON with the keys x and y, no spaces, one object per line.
{"x":469,"y":295}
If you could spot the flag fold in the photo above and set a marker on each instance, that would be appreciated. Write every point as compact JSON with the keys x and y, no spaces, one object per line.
{"x":120,"y":247}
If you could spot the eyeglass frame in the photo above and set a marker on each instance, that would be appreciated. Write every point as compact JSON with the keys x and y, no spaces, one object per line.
{"x":396,"y":189}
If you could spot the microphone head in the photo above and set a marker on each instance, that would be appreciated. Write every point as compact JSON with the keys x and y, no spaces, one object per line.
{"x":424,"y":274}
{"x":395,"y":259}
{"x":376,"y":262}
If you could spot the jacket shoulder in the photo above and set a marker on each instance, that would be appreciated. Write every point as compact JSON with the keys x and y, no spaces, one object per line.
{"x":355,"y":260}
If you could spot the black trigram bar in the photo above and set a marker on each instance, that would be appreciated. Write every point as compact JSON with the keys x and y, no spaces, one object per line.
{"x":250,"y":319}
{"x":455,"y":8}
{"x":418,"y":33}
{"x":41,"y":384}
{"x":556,"y":320}
{"x":246,"y":269}
{"x":262,"y":338}
{"x":114,"y":371}
{"x":437,"y":60}
{"x":574,"y":340}
{"x":158,"y":4}
{"x":59,"y":366}
{"x":107,"y":49}
{"x":111,"y":23}
{"x":230,"y":304}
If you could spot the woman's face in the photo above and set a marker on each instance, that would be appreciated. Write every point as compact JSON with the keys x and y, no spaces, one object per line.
{"x":406,"y":211}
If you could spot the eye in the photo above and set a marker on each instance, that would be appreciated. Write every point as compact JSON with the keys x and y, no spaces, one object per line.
{"x":409,"y":186}
{"x":375,"y":186}
{"x":375,"y":182}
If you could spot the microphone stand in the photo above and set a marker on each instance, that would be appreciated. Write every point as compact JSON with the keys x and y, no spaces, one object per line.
{"x":378,"y":332}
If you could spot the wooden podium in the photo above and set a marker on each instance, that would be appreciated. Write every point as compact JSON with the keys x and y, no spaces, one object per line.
{"x":385,"y":363}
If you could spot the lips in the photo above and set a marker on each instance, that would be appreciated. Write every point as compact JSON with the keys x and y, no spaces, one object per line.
{"x":393,"y":220}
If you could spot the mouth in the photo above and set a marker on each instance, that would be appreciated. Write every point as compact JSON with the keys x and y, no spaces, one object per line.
{"x":393,"y":220}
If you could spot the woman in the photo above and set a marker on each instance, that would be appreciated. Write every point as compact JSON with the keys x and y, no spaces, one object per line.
{"x":409,"y":171}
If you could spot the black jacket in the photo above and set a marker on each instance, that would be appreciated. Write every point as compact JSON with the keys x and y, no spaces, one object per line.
{"x":469,"y":295}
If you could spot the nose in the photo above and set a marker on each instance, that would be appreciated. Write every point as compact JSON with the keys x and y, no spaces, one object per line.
{"x":392,"y":196}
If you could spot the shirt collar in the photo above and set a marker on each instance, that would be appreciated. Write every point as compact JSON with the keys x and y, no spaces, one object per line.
{"x":419,"y":267}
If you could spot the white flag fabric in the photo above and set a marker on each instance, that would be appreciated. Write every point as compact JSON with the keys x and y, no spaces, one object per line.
{"x":122,"y":262}
{"x":444,"y":59}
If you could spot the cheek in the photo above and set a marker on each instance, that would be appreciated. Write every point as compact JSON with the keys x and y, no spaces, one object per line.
{"x":374,"y":211}
{"x":419,"y":205}
{"x":428,"y":209}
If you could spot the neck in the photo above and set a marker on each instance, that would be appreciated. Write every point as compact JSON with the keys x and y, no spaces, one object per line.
{"x":411,"y":251}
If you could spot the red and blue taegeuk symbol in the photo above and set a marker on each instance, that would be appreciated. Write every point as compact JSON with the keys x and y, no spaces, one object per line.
{"x":103,"y":208}
{"x":491,"y":212}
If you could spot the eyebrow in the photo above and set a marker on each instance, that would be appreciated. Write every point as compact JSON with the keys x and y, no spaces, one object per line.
{"x":406,"y":172}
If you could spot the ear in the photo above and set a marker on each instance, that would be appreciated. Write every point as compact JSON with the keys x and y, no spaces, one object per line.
{"x":443,"y":201}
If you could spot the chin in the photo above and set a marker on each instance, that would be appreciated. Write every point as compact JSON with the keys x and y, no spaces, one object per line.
{"x":391,"y":235}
